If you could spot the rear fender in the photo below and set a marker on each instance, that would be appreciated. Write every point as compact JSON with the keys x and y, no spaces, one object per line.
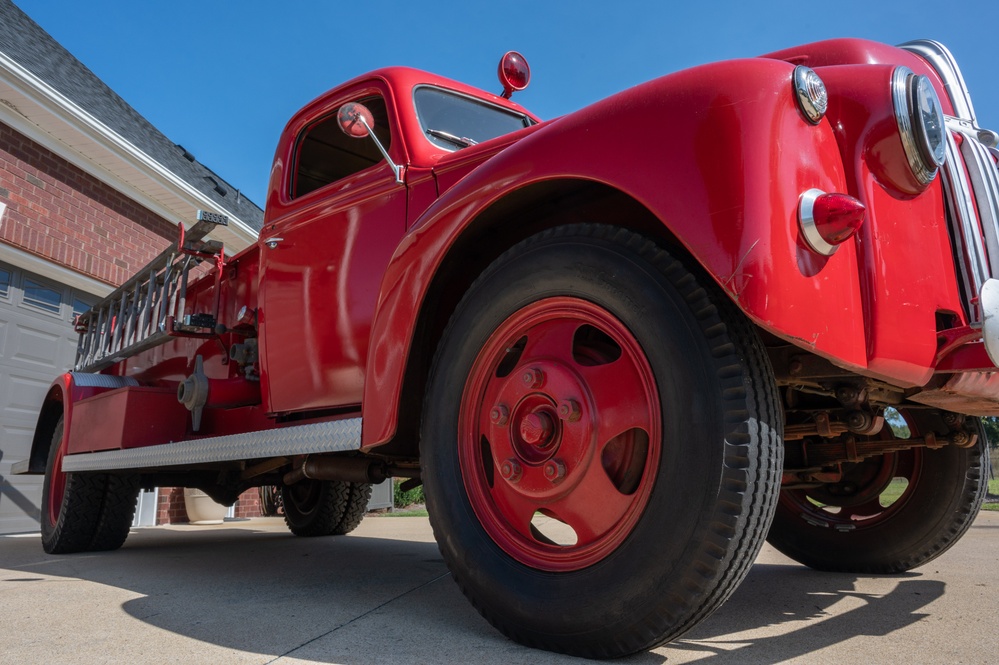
{"x":718,"y":155}
{"x":66,"y":390}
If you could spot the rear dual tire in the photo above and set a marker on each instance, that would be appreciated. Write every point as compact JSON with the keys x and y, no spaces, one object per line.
{"x":84,"y":512}
{"x":324,"y":508}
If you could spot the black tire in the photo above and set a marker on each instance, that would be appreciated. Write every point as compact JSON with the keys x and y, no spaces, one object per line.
{"x":324,"y":508}
{"x":270,"y":500}
{"x":93,"y":512}
{"x":945,"y":489}
{"x":710,"y":496}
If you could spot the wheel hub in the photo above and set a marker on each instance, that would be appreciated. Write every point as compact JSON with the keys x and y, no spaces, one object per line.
{"x":564,"y":424}
{"x":537,"y":429}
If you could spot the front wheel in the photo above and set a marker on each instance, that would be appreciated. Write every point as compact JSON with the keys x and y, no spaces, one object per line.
{"x":601,"y":444}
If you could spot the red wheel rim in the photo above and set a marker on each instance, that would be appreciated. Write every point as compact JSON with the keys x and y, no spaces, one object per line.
{"x":560,"y":423}
{"x":57,"y":487}
{"x":861,"y":508}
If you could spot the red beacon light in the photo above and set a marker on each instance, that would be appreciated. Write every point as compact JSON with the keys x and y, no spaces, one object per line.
{"x":514,"y":73}
{"x":828,"y":220}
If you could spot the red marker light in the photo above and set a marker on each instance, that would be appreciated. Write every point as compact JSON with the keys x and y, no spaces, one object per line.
{"x":514,"y":73}
{"x":827,"y":220}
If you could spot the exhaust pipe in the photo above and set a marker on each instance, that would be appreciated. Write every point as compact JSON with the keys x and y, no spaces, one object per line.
{"x":347,"y":469}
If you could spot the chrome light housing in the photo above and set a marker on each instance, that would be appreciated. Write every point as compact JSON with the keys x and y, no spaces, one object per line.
{"x":810,"y":91}
{"x":920,"y":120}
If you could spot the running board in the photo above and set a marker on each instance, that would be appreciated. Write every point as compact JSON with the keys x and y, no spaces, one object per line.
{"x":334,"y":436}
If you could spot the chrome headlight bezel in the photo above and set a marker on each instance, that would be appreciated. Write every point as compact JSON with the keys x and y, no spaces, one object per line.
{"x":921,"y":123}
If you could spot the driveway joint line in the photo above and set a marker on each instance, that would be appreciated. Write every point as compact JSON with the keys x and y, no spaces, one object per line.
{"x":357,"y":618}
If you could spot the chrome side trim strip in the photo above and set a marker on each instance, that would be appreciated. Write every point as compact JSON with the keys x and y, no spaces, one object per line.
{"x":329,"y":437}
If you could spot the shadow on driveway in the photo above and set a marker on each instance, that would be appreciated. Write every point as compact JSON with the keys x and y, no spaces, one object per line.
{"x":259,"y":593}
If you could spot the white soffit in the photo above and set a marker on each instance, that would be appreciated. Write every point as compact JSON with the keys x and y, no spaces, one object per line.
{"x":44,"y":115}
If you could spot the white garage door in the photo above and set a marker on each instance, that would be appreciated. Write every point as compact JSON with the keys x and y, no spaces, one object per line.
{"x":37,"y":343}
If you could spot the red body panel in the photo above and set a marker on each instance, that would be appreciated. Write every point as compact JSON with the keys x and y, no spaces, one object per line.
{"x":707,"y":168}
{"x":101,"y":421}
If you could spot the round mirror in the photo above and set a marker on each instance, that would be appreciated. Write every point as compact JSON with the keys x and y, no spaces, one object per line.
{"x":355,"y":120}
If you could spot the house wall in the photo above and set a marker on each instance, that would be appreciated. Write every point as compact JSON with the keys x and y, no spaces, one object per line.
{"x":58,"y":212}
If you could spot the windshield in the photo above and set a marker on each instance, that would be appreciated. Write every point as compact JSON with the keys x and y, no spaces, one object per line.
{"x":453,"y":121}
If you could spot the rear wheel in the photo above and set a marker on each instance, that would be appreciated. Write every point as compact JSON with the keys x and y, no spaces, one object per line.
{"x":84,"y":512}
{"x":324,"y":508}
{"x":601,"y":446}
{"x":888,"y":514}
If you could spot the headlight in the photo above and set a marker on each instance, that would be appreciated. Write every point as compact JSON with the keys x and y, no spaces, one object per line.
{"x":920,"y":123}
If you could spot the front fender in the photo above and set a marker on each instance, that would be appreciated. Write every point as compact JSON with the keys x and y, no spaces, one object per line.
{"x":719,"y":154}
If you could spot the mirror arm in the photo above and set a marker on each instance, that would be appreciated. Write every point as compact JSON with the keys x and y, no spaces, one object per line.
{"x":396,"y":169}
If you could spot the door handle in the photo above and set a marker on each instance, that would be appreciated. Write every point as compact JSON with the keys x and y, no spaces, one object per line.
{"x":272,"y":243}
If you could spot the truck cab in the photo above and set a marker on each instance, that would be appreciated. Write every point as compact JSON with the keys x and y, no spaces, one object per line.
{"x":337,"y":192}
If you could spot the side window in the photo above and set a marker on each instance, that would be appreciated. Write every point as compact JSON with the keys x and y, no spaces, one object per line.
{"x":324,"y":154}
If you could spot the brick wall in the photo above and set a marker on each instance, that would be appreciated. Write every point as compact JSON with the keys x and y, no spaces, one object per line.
{"x":58,"y":212}
{"x":170,"y":505}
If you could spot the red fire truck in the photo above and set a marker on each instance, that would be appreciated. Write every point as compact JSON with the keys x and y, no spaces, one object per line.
{"x":619,"y":349}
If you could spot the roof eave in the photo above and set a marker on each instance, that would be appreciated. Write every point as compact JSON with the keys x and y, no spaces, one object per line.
{"x":50,"y":118}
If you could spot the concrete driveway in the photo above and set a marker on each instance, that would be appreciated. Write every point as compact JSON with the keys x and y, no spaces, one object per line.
{"x":248,"y":592}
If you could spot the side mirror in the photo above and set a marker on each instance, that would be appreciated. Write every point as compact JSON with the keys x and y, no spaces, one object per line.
{"x":356,"y":121}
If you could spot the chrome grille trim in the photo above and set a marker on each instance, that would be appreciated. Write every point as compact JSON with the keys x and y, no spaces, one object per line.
{"x":985,"y":185}
{"x":941,"y":59}
{"x":971,"y":182}
{"x":970,"y":251}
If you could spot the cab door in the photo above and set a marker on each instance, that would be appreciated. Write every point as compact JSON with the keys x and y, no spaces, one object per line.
{"x":322,"y":259}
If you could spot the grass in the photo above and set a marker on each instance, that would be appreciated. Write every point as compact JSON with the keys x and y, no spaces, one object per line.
{"x":994,"y":491}
{"x":417,"y":512}
{"x":893,"y":491}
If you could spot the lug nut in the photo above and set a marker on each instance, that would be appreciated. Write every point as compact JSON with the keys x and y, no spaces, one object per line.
{"x":554,"y":470}
{"x":511,"y":470}
{"x":569,"y":410}
{"x":533,"y":378}
{"x":499,"y":415}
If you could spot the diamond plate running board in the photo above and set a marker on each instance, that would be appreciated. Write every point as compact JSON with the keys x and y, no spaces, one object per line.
{"x":329,"y":437}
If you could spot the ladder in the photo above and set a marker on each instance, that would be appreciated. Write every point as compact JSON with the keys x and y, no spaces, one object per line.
{"x":148,"y":309}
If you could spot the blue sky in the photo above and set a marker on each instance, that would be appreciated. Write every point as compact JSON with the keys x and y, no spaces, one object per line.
{"x":222,"y":78}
